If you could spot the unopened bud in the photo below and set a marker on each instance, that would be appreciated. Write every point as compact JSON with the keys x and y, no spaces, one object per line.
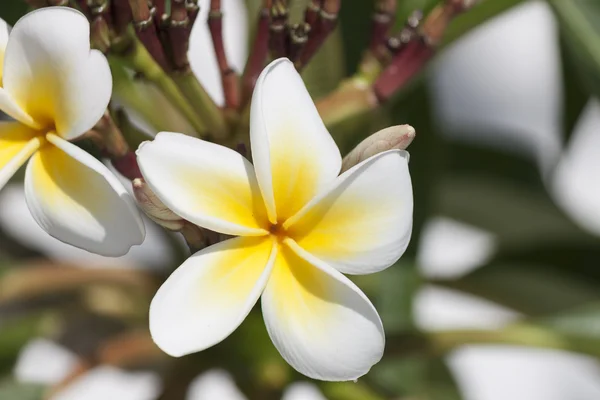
{"x":155,"y":209}
{"x":394,"y":137}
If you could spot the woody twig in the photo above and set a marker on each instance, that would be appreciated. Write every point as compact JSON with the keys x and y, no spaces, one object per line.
{"x":229,"y":78}
{"x":320,"y":30}
{"x":259,"y":53}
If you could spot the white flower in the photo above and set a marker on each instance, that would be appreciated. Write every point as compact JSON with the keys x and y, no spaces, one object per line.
{"x":56,"y":89}
{"x":300,"y":224}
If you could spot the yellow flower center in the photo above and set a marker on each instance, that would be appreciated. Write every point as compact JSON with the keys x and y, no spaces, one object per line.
{"x":278,"y":231}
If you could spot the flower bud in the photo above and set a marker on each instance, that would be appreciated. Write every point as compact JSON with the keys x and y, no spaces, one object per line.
{"x":394,"y":137}
{"x":154,"y":208}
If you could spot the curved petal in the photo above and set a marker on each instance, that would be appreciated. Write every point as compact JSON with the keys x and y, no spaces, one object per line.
{"x":11,"y":108}
{"x":293,"y":153}
{"x":4,"y":31}
{"x":17,"y":143}
{"x":210,"y":294}
{"x":51,"y":73}
{"x":76,"y":199}
{"x":320,"y":322}
{"x":207,"y":184}
{"x":363,"y":223}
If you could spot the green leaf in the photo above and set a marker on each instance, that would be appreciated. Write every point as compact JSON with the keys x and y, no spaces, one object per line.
{"x":476,"y":16}
{"x":326,"y":69}
{"x":12,"y":10}
{"x":539,"y":280}
{"x":517,"y":214}
{"x":11,"y":390}
{"x":576,"y":94}
{"x":582,"y":322}
{"x":419,"y":377}
{"x":580,"y":23}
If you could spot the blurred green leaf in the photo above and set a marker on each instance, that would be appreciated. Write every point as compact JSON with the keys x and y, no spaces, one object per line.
{"x":476,"y":16}
{"x":581,"y":323}
{"x":539,"y":280}
{"x":576,"y":95}
{"x":14,"y":333}
{"x":11,"y":390}
{"x":519,"y":215}
{"x":394,"y":299}
{"x":326,"y":70}
{"x":405,"y":8}
{"x":415,"y":377}
{"x":580,"y":23}
{"x":12,"y":10}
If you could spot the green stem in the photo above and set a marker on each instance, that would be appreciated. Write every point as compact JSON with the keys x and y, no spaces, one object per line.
{"x":518,"y":334}
{"x":137,"y":58}
{"x":352,"y":98}
{"x":206,"y":108}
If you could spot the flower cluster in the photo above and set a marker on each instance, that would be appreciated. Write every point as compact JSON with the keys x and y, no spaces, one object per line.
{"x":302,"y":215}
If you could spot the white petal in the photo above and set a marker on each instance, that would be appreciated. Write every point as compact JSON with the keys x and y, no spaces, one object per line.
{"x":76,"y":199}
{"x":11,"y":108}
{"x":212,"y":385}
{"x":302,"y":391}
{"x":207,"y":184}
{"x":106,"y":382}
{"x":17,"y":143}
{"x":210,"y":294}
{"x":202,"y":53}
{"x":45,"y":362}
{"x":320,"y":322}
{"x":293,"y":153}
{"x":156,"y":253}
{"x":4,"y":32}
{"x":363,"y":223}
{"x":51,"y":73}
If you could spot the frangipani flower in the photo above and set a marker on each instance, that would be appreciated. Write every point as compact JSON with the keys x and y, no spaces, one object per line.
{"x":300,"y":226}
{"x":56,"y":89}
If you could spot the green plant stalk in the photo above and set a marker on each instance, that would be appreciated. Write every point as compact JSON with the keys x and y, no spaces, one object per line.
{"x":138,"y":59}
{"x":354,"y":97}
{"x":209,"y":112}
{"x":579,"y":27}
{"x":518,"y":334}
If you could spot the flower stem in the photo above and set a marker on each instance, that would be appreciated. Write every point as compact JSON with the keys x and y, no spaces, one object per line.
{"x":353,"y":97}
{"x":518,"y":334}
{"x":229,"y":79}
{"x":207,"y":110}
{"x":137,"y":58}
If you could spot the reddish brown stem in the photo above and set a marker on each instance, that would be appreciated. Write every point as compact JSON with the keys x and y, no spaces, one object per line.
{"x":83,"y":6}
{"x":100,"y":8}
{"x":383,"y":18}
{"x":160,"y":15}
{"x":179,"y":30}
{"x":278,"y":29}
{"x":323,"y":27}
{"x":413,"y":56}
{"x":404,"y":66}
{"x":258,"y":55}
{"x":127,"y":165}
{"x":229,"y":79}
{"x":99,"y":34}
{"x":298,"y":38}
{"x":121,"y":13}
{"x":311,"y":15}
{"x":193,"y":10}
{"x":146,"y":31}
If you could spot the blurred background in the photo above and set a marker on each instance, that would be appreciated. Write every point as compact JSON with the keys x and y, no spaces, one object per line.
{"x":498,"y":296}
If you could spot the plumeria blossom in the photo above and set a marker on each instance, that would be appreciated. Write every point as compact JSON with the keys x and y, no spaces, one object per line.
{"x":56,"y":89}
{"x":299,"y":227}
